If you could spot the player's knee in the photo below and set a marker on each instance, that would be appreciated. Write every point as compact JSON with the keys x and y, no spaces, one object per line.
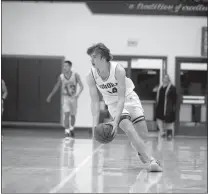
{"x":125,"y":124}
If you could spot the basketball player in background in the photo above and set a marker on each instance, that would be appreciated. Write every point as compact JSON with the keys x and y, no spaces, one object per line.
{"x":123,"y":103}
{"x":69,"y":81}
{"x":4,"y":93}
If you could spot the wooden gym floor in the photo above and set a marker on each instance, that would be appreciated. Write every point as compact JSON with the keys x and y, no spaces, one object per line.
{"x":35,"y":161}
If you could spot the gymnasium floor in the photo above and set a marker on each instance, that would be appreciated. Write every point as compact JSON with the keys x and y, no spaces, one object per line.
{"x":41,"y":162}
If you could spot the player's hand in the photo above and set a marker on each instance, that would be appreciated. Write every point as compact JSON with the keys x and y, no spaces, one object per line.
{"x":115,"y":128}
{"x":48,"y":100}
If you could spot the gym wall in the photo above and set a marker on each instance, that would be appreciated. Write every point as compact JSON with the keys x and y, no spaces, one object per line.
{"x":29,"y":80}
{"x":68,"y":29}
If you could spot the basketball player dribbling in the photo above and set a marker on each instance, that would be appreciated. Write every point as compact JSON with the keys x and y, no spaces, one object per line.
{"x":69,"y":81}
{"x":123,"y":103}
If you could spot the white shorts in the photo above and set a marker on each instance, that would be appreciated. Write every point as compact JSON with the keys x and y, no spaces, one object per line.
{"x":132,"y":108}
{"x":69,"y":105}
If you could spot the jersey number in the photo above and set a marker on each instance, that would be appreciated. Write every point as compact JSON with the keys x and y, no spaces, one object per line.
{"x":71,"y":90}
{"x":114,"y":90}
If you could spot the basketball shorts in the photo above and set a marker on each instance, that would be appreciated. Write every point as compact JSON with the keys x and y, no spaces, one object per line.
{"x":132,"y":108}
{"x":69,"y":105}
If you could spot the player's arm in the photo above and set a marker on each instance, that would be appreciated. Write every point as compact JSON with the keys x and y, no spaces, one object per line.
{"x":120,"y":76}
{"x":4,"y":90}
{"x":81,"y":86}
{"x":55,"y":89}
{"x":95,"y":102}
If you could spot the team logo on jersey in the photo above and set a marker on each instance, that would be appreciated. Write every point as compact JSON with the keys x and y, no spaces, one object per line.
{"x":108,"y":85}
{"x":111,"y":86}
{"x":70,"y":89}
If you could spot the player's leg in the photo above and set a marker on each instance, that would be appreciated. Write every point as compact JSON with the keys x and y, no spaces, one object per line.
{"x":73,"y":118}
{"x":134,"y":107}
{"x":67,"y":123}
{"x":169,"y":129}
{"x":66,"y":110}
{"x":73,"y":112}
{"x":136,"y":111}
{"x":138,"y":144}
{"x":160,"y":125}
{"x":142,"y":130}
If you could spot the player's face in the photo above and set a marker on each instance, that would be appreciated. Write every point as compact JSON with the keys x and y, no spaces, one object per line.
{"x":96,"y":60}
{"x":66,"y":68}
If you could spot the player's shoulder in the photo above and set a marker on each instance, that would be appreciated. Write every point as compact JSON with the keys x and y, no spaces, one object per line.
{"x":120,"y":70}
{"x":89,"y":74}
{"x":76,"y":74}
{"x":118,"y":66}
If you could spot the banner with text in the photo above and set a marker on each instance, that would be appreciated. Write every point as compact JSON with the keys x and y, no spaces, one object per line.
{"x":196,"y":8}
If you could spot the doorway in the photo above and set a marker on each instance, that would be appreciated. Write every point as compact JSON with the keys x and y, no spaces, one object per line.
{"x":191,"y":85}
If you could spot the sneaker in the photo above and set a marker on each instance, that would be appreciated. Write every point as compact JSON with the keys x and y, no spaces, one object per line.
{"x":155,"y":166}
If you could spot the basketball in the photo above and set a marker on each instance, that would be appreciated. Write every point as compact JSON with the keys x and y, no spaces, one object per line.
{"x":103,"y":134}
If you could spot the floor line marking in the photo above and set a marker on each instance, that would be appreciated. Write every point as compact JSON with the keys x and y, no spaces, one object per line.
{"x":67,"y":178}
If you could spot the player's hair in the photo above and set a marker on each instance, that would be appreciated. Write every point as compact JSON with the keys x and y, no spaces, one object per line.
{"x":101,"y":49}
{"x":68,"y":62}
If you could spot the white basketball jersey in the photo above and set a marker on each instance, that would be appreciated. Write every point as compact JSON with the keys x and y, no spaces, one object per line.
{"x":109,"y":88}
{"x":69,"y":86}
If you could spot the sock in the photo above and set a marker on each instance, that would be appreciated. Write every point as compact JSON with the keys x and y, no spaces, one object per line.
{"x":67,"y":130}
{"x":71,"y":128}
